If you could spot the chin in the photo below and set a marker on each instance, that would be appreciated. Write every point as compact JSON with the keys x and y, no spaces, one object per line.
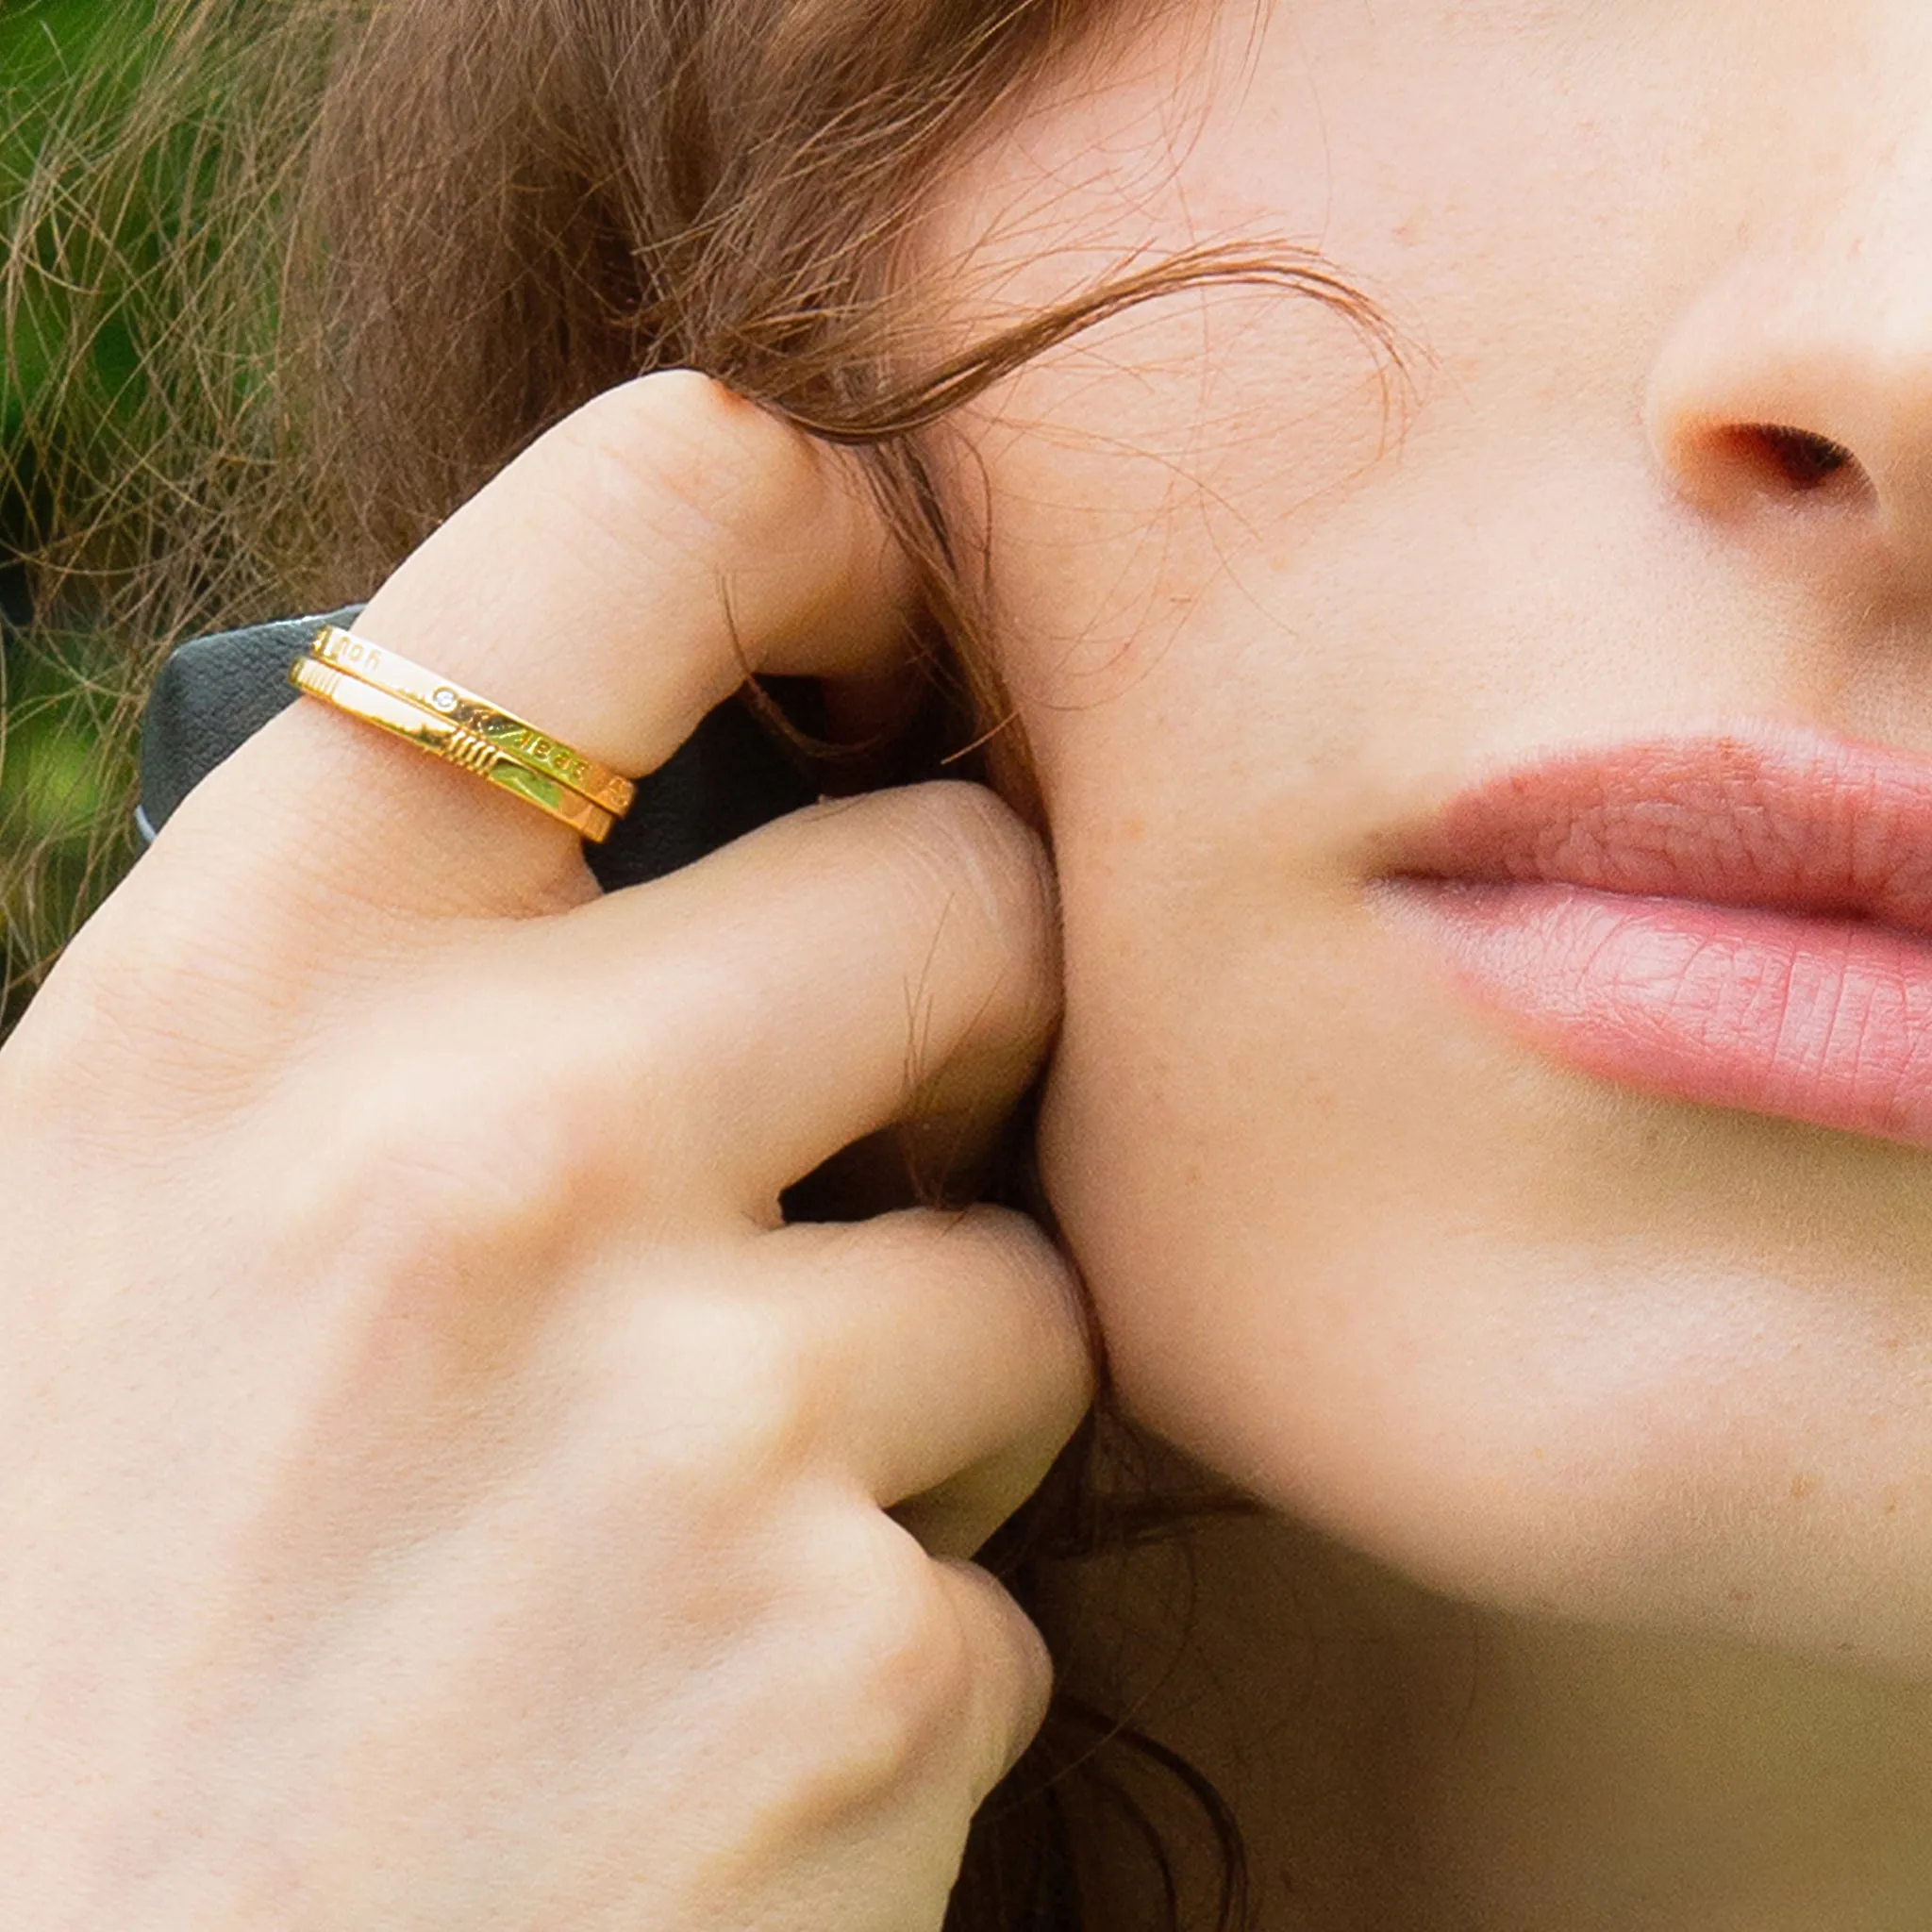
{"x":1536,"y":1341}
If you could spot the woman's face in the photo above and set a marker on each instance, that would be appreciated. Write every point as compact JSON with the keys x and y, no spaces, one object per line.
{"x":1496,"y":1230}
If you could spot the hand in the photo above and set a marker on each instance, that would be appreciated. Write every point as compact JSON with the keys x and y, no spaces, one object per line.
{"x":437,"y":1490}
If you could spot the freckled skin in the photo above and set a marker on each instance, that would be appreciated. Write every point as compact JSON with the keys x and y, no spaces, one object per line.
{"x":1530,"y":1338}
{"x":1257,"y":636}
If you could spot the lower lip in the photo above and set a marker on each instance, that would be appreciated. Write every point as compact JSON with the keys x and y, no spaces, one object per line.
{"x":1828,"y":1021}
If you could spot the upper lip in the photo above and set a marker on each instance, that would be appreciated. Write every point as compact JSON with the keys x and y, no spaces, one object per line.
{"x":1775,"y":817}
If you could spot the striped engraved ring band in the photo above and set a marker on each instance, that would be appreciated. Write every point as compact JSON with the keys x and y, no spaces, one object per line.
{"x":438,"y":715}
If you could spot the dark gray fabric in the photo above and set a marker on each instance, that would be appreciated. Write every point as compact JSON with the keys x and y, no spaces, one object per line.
{"x":212,"y":696}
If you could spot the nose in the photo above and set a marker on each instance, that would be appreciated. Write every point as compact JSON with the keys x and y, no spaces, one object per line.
{"x":1793,"y":399}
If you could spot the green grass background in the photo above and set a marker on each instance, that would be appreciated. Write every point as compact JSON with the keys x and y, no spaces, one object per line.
{"x":56,"y":685}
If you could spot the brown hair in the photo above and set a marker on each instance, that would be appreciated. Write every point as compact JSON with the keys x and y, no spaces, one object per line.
{"x":399,"y":241}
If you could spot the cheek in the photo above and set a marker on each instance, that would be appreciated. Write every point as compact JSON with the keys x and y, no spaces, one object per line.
{"x":1536,"y":1341}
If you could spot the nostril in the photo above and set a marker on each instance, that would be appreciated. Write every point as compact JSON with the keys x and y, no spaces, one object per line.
{"x":1798,"y":460}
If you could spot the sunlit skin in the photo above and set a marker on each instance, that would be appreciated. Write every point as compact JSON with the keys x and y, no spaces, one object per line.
{"x":1646,"y":1383}
{"x":441,"y":1488}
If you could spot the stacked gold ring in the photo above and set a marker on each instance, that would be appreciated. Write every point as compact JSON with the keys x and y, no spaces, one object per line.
{"x":385,"y":689}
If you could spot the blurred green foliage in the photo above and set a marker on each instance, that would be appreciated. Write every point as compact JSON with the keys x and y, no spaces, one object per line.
{"x":65,"y":70}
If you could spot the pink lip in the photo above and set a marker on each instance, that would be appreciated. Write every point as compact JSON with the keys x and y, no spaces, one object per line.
{"x":1740,"y":919}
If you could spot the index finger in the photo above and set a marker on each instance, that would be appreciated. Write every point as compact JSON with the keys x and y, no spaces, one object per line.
{"x":611,"y":585}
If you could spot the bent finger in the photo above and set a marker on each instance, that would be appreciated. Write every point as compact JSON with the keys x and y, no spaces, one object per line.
{"x":952,"y":1358}
{"x":611,"y":585}
{"x":819,"y":979}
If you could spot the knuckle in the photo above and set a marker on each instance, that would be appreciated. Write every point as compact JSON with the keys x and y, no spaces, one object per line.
{"x":428,"y":1178}
{"x":1018,"y":1687}
{"x":684,"y":455}
{"x":900,"y":1663}
{"x":919,"y":1664}
{"x":731,"y":1389}
{"x":478,"y":1109}
{"x":690,"y":1001}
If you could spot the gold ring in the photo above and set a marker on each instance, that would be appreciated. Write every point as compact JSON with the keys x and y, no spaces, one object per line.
{"x":456,"y":743}
{"x":390,"y":670}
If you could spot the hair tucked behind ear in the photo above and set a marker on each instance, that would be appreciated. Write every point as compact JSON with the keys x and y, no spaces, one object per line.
{"x":327,"y":271}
